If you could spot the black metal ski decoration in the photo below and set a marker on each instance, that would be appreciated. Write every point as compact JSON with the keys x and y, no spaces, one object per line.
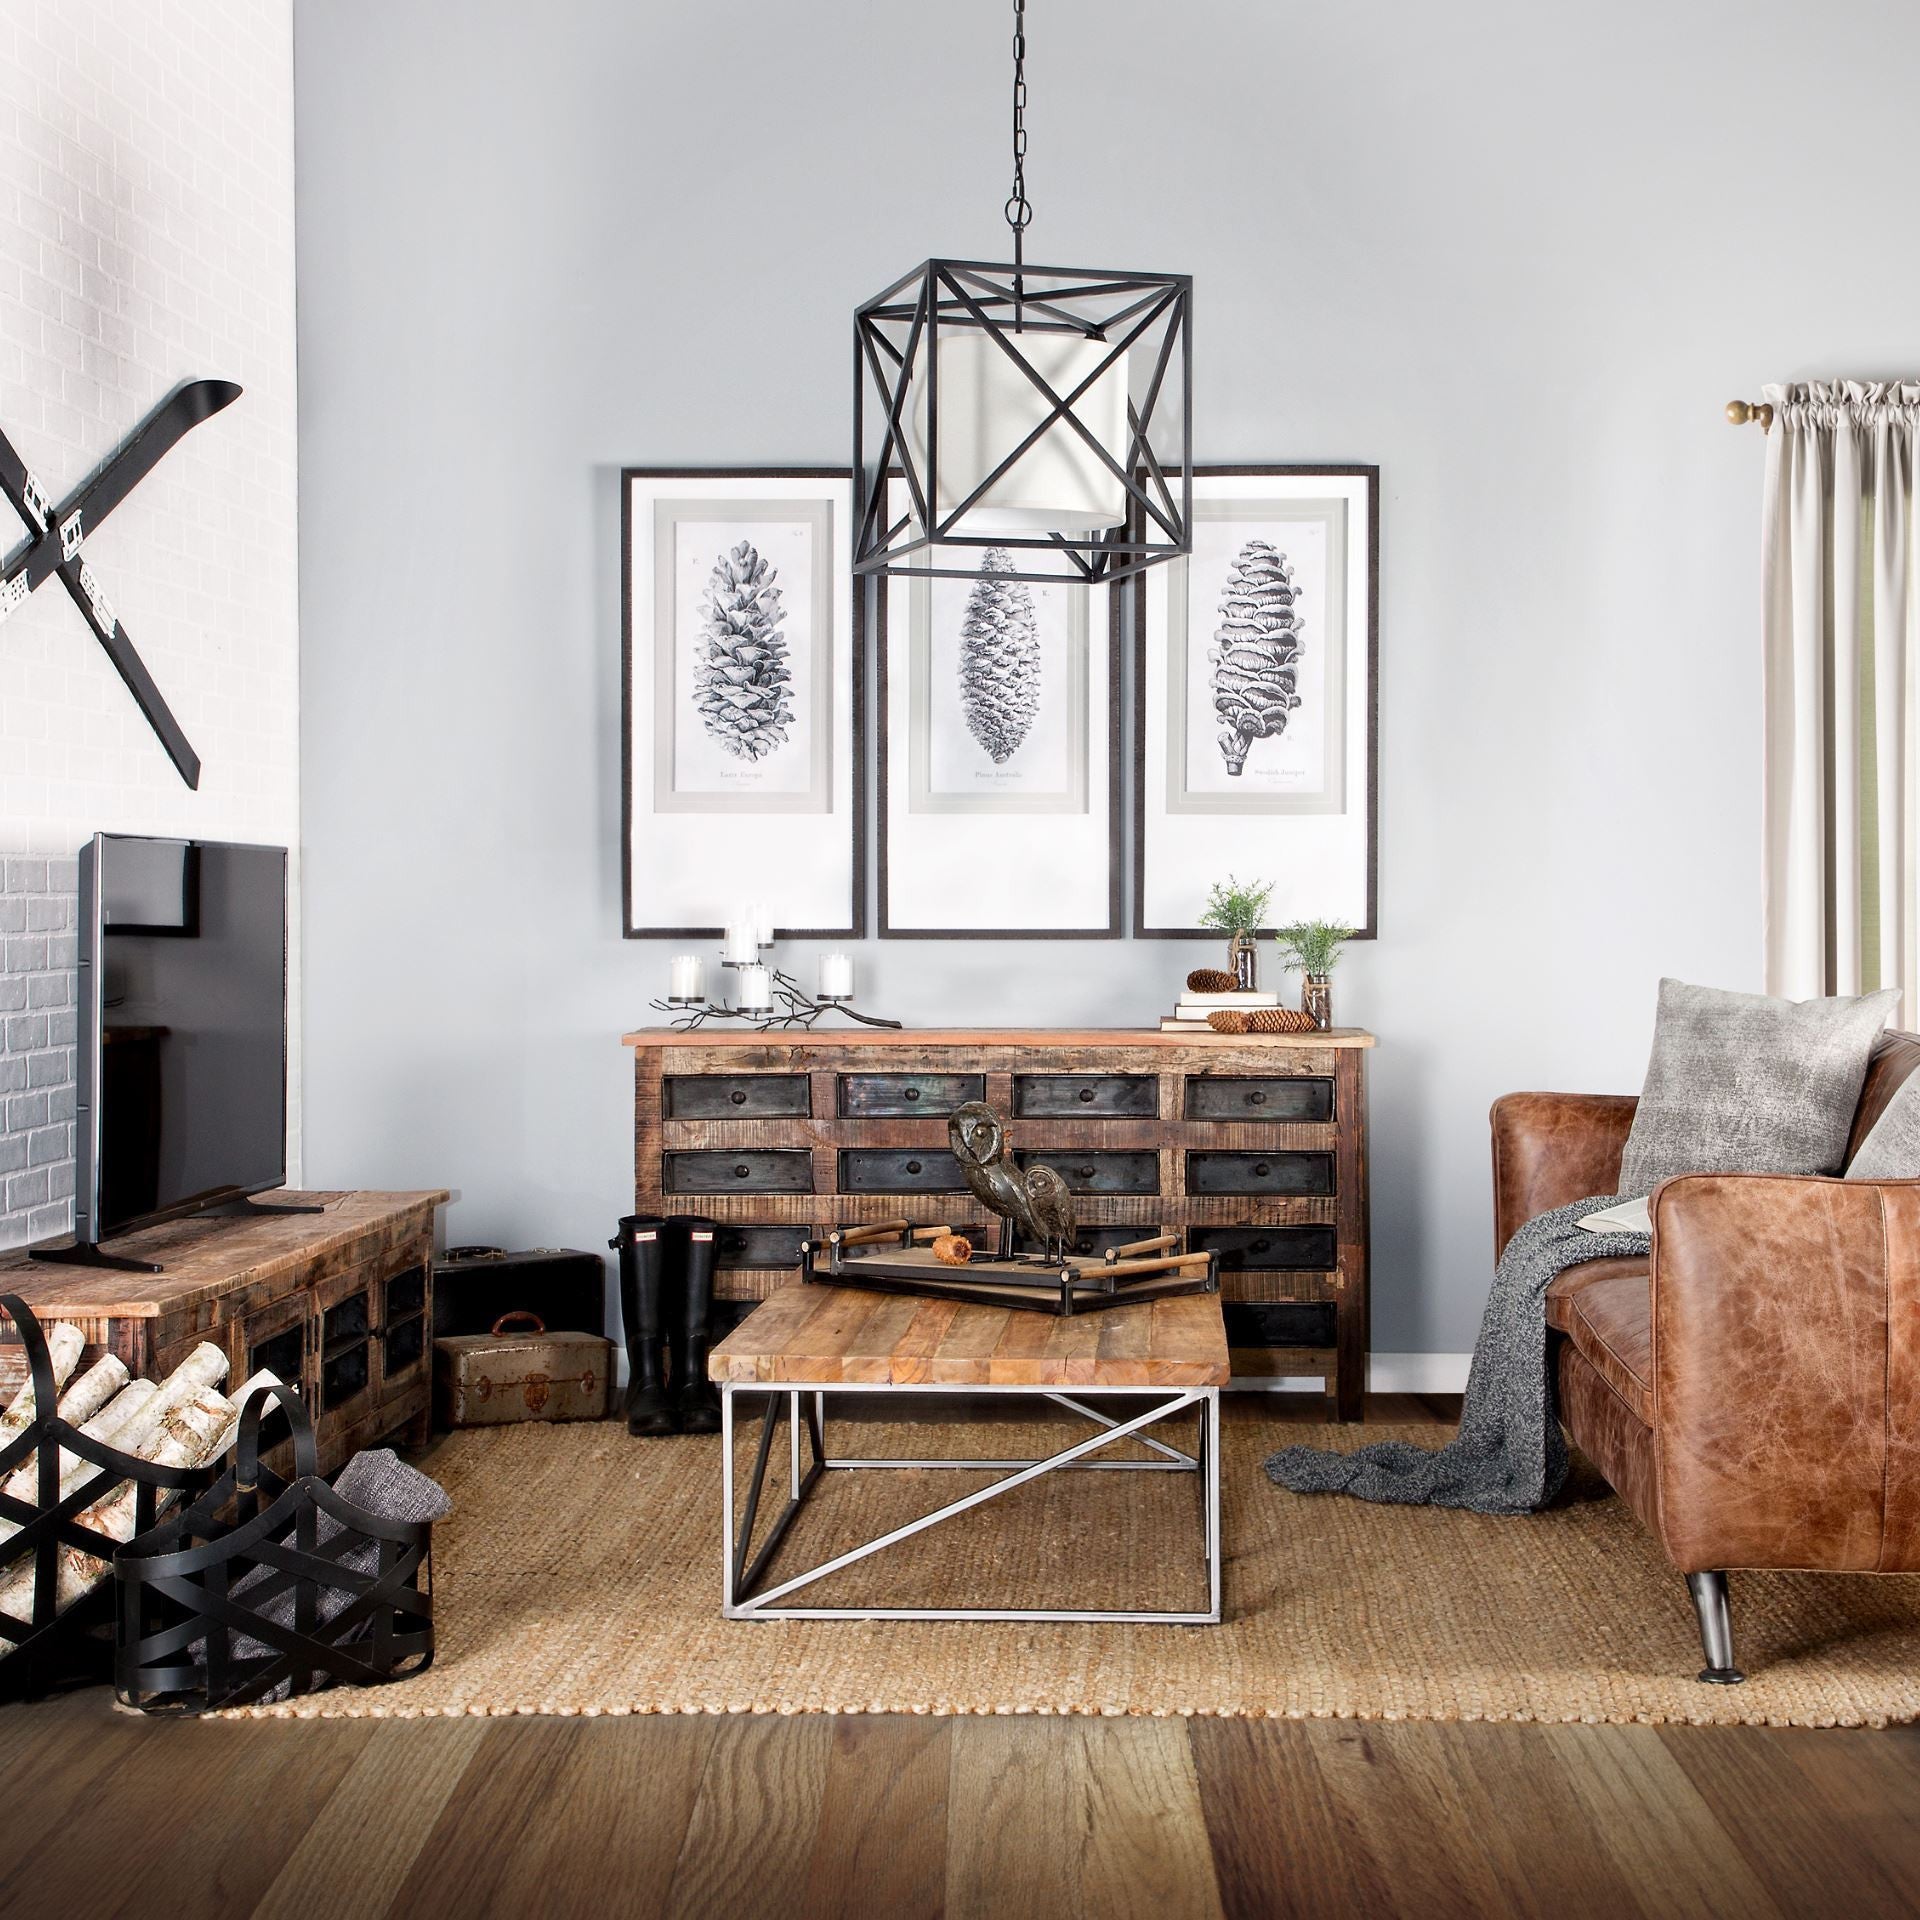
{"x":56,"y":536}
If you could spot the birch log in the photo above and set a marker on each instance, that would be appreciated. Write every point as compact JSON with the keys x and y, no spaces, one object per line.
{"x":106,"y":1424}
{"x":64,"y":1344}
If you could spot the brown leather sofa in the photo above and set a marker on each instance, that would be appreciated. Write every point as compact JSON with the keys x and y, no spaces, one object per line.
{"x":1751,"y":1388}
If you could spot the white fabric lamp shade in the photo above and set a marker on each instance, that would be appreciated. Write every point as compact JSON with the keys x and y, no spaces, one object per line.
{"x":987,"y":406}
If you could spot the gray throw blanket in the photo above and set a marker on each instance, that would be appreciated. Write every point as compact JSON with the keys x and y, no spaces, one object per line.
{"x":1509,"y":1455}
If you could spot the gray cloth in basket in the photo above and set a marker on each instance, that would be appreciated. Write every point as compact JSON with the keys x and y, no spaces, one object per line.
{"x":1509,"y":1455}
{"x":380,"y":1483}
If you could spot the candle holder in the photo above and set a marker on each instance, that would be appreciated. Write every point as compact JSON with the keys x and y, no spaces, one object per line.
{"x":793,"y":1006}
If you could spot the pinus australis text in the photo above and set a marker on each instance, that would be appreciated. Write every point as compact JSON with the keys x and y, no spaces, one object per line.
{"x":741,"y":687}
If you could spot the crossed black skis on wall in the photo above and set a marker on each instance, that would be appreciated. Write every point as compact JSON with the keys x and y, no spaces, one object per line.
{"x":57,"y":535}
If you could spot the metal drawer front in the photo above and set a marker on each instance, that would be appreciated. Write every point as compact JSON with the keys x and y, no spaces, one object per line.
{"x":895,"y":1094}
{"x":1098,"y":1172}
{"x":1259,"y":1172}
{"x":899,"y":1170}
{"x":1090,"y":1242}
{"x":1279,"y":1323}
{"x":735,"y":1096}
{"x":775,"y":1246}
{"x":741,"y":1170}
{"x":1234,"y":1097}
{"x":1299,"y":1249}
{"x":1132,"y":1096}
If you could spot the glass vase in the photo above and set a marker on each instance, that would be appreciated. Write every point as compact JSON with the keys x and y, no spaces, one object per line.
{"x":1316,"y":999}
{"x":1243,"y":962}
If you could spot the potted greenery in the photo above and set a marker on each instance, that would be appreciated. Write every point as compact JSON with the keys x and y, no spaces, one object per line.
{"x":1313,"y":946}
{"x":1237,"y":911}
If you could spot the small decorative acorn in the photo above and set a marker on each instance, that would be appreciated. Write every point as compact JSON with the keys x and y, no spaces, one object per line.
{"x":953,"y":1250}
{"x":1209,"y":980}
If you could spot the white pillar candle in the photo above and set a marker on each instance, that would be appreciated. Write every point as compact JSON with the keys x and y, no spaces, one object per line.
{"x":685,"y":973}
{"x":742,"y":942}
{"x":763,"y":923}
{"x":836,"y":976}
{"x":756,"y":989}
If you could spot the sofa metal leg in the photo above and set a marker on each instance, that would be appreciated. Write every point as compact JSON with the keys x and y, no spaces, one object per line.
{"x":1709,"y":1591}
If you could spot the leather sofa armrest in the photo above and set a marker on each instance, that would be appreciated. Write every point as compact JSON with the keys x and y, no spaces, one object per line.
{"x":1553,"y":1148}
{"x":1786,"y":1372}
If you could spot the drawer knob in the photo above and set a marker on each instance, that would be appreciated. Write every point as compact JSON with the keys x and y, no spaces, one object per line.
{"x":1261,"y":1169}
{"x":1083,"y":1173}
{"x":913,"y":1166}
{"x":1263,"y":1246}
{"x":1258,"y":1097}
{"x":738,"y":1096}
{"x":913,"y":1093}
{"x":741,"y":1171}
{"x":1086,"y":1096}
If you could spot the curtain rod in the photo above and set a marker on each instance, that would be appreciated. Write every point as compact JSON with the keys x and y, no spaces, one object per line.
{"x":1739,"y":412}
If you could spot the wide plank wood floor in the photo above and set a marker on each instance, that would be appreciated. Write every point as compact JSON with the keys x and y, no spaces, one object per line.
{"x":105,"y":1813}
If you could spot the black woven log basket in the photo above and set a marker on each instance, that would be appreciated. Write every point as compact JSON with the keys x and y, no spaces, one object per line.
{"x":193,"y":1638}
{"x":52,"y":1648}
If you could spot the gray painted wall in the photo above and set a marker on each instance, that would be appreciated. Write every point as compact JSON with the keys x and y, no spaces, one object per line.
{"x":1518,"y":255}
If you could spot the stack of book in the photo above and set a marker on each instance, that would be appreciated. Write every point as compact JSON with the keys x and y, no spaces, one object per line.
{"x":1190,"y":1011}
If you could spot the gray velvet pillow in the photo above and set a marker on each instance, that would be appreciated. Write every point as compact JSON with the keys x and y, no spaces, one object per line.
{"x":1891,"y":1150}
{"x":1740,"y":1083}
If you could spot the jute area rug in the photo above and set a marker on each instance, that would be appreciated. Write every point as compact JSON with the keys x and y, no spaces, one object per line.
{"x":580,"y":1574}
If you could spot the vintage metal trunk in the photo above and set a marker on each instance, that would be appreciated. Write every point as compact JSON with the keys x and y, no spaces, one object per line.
{"x":520,"y":1371}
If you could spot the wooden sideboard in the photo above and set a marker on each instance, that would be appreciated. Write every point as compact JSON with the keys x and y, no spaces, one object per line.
{"x":1252,"y":1145}
{"x":338,"y":1303}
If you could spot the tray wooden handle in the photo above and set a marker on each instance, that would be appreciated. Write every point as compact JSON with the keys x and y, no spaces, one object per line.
{"x":1157,"y":1244}
{"x":1164,"y":1263}
{"x":880,"y":1230}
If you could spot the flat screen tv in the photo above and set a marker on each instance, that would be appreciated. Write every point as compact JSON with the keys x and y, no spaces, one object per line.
{"x":181,"y":1101}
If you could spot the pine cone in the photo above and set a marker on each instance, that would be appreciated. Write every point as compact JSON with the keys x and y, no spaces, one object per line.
{"x":953,"y":1250}
{"x":741,"y":686}
{"x":999,"y":660}
{"x":1256,"y":647}
{"x":1228,"y":1020}
{"x":1280,"y":1020}
{"x":1210,"y":980}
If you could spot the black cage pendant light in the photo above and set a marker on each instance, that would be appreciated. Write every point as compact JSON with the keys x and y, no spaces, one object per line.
{"x":1034,"y":421}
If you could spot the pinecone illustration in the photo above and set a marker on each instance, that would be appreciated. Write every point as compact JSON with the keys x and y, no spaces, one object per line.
{"x":1256,"y":646}
{"x":999,"y":660}
{"x":741,"y":686}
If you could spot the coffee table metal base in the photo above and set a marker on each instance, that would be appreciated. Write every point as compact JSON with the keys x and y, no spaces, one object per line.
{"x":747,"y":1593}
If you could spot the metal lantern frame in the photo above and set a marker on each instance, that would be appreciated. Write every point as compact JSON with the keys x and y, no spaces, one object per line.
{"x":899,"y":331}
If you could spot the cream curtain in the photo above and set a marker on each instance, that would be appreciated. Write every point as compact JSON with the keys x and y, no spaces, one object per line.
{"x":1842,"y":674}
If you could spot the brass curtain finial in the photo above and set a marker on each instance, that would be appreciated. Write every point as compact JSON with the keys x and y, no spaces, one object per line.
{"x":1739,"y":412}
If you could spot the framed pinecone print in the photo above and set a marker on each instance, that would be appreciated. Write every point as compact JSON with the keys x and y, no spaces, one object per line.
{"x":742,"y":695}
{"x":1257,"y":661}
{"x":999,"y":758}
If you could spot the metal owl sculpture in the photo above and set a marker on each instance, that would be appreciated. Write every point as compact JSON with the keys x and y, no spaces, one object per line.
{"x":1036,"y":1201}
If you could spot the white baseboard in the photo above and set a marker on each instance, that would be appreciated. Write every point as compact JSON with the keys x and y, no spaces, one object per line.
{"x":1387,"y":1373}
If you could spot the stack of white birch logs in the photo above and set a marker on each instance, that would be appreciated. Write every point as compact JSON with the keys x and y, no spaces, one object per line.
{"x":181,"y":1421}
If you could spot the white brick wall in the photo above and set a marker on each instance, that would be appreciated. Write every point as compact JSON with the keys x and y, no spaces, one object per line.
{"x":146,"y":237}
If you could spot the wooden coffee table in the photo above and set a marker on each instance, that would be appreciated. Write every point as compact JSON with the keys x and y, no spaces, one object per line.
{"x":809,"y":1345}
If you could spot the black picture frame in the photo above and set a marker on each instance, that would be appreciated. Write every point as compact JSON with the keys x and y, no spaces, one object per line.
{"x":1138,"y":599}
{"x":855,"y":927}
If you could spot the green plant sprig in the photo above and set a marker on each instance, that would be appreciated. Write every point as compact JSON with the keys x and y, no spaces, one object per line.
{"x":1236,"y":908}
{"x":1312,"y":946}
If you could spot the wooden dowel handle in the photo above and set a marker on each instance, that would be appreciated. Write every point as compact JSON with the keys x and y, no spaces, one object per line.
{"x":880,"y":1230}
{"x":922,"y":1234}
{"x":1143,"y":1246}
{"x":1167,"y":1263}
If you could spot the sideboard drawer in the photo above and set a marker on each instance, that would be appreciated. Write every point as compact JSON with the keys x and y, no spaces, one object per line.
{"x":742,"y":1170}
{"x":887,"y":1095}
{"x":1227,"y":1096}
{"x":1041,"y":1096}
{"x":1291,"y":1249}
{"x":1280,"y":1323}
{"x":1098,"y":1172}
{"x":1281,"y":1172}
{"x":768,"y":1246}
{"x":735,"y":1096}
{"x":899,"y":1170}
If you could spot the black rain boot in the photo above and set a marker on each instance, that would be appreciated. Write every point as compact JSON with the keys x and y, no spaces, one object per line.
{"x":643,"y":1319}
{"x":695,"y":1244}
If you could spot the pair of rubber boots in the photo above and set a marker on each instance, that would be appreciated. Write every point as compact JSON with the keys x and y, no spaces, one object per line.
{"x":666,"y":1298}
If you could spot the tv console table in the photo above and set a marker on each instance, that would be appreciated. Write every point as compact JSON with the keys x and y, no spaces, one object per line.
{"x":1253,"y":1145}
{"x":338,"y":1303}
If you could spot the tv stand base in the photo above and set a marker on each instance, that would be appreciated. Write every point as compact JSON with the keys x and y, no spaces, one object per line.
{"x":246,"y":1207}
{"x":85,"y":1253}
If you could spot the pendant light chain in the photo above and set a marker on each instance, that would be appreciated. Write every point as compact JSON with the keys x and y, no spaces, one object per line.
{"x":1018,"y":211}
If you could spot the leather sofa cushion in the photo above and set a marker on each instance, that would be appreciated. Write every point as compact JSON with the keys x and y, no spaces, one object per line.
{"x":1601,"y":1425}
{"x":1605,"y":1307}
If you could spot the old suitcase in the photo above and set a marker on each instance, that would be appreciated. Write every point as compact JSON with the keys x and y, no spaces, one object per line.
{"x":484,"y":1379}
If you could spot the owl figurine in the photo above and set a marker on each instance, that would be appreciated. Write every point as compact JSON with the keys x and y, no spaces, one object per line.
{"x":1036,"y":1201}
